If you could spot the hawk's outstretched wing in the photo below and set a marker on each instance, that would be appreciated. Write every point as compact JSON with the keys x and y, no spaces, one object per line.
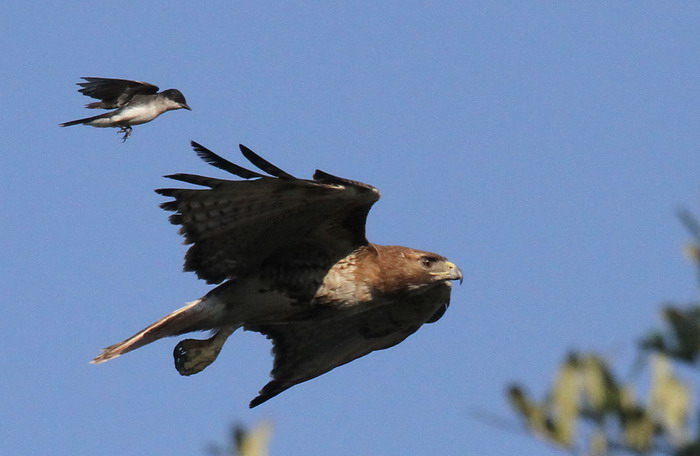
{"x":113,"y":93}
{"x":277,"y":221}
{"x":305,"y":350}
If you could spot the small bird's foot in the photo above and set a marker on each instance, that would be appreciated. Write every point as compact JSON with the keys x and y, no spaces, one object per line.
{"x":194,"y":355}
{"x":127,"y":132}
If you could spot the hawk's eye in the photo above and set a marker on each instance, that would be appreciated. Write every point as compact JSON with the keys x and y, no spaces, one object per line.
{"x":428,"y":261}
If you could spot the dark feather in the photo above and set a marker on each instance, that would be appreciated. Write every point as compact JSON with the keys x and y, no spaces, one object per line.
{"x":221,"y":163}
{"x":195,"y":179}
{"x":240,"y":224}
{"x":114,"y":93}
{"x":263,"y":164}
{"x":440,"y":312}
{"x":304,"y":350}
{"x":326,"y":178}
{"x":171,"y":206}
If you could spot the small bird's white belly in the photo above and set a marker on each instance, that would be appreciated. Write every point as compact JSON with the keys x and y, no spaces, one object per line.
{"x":136,"y":115}
{"x":129,"y":115}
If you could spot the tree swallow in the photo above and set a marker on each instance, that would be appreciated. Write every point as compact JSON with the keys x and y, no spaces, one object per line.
{"x":136,"y":102}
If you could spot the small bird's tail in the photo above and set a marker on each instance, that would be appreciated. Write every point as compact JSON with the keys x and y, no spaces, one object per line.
{"x":186,"y":319}
{"x":81,"y":121}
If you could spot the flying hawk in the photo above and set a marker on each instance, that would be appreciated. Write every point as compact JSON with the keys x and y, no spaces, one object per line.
{"x":294,"y":264}
{"x":135,"y":103}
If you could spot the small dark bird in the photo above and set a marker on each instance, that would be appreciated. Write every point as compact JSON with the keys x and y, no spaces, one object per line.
{"x":296,"y":267}
{"x":136,"y":103}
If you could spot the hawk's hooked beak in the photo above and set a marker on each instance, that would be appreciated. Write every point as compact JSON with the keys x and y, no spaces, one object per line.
{"x":453,"y":272}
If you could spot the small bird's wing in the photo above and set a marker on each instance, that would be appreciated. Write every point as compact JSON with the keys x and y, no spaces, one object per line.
{"x":286,"y":225}
{"x":113,"y":93}
{"x":304,"y":350}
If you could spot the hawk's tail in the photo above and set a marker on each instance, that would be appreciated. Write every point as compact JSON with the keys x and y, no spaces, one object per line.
{"x":183,"y":320}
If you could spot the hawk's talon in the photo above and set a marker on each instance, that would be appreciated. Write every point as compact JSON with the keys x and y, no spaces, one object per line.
{"x":194,"y":355}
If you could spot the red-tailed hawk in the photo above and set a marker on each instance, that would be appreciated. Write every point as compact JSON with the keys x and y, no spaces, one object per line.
{"x":296,"y":267}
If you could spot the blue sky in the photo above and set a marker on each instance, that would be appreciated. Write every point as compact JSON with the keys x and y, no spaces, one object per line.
{"x":541,"y":146}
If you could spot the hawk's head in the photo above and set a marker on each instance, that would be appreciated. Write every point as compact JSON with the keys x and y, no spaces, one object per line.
{"x":405,"y":270}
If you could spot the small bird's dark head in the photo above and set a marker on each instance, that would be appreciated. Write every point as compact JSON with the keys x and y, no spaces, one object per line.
{"x":176,"y":96}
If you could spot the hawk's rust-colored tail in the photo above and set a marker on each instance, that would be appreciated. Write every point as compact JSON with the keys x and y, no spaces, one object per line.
{"x":181,"y":321}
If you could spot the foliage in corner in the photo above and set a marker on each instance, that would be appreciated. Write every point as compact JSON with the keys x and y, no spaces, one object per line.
{"x":245,"y":442}
{"x":588,"y":410}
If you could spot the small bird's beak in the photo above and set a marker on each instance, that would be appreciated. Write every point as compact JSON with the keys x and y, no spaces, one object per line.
{"x":453,"y":272}
{"x":184,"y":106}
